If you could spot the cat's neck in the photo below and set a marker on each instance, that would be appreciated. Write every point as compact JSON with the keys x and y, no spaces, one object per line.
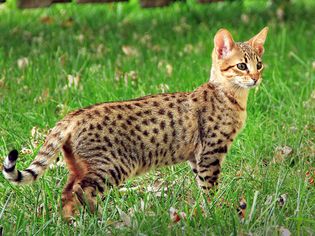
{"x":238,"y":93}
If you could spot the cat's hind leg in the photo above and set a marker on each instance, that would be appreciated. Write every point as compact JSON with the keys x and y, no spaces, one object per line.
{"x":77,"y":170}
{"x":87,"y":189}
{"x":68,"y":201}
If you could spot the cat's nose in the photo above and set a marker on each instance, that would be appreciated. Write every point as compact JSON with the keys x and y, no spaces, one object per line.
{"x":255,"y":78}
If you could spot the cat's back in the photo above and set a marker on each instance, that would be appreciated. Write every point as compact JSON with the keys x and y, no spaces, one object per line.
{"x":155,"y":123}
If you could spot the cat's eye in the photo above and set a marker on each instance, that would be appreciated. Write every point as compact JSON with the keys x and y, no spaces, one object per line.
{"x":241,"y":66}
{"x":259,"y":65}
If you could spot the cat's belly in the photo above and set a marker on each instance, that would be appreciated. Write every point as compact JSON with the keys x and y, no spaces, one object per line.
{"x":167,"y":158}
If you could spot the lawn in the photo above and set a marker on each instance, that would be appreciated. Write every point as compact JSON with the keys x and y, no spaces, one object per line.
{"x":58,"y":59}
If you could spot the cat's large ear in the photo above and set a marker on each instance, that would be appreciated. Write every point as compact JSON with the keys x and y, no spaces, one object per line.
{"x":257,"y":42}
{"x":223,"y":43}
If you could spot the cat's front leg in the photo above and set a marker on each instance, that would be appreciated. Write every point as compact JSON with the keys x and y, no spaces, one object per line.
{"x":209,"y":167}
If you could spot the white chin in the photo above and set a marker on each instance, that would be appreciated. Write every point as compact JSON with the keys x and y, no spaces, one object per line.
{"x":246,"y":86}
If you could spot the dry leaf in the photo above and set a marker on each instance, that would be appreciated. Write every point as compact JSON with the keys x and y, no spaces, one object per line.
{"x":131,"y":76}
{"x":129,"y":51}
{"x":38,"y":39}
{"x":164,"y":66}
{"x":118,"y":75}
{"x":245,"y":18}
{"x":80,"y":38}
{"x":124,"y":189}
{"x":124,"y":217}
{"x":310,"y":175}
{"x":2,"y":83}
{"x":34,"y":132}
{"x":284,"y":232}
{"x":46,"y":20}
{"x":188,"y":48}
{"x":310,"y":103}
{"x":68,"y":22}
{"x":282,"y":153}
{"x":40,"y":209}
{"x":63,"y":59}
{"x":26,"y":151}
{"x":22,"y":63}
{"x":268,"y":200}
{"x":142,"y":205}
{"x":183,"y":215}
{"x":182,"y":27}
{"x":293,"y":129}
{"x":44,"y":96}
{"x":157,"y":188}
{"x":38,"y":136}
{"x":62,"y":109}
{"x":285,"y":151}
{"x":169,"y":69}
{"x":164,"y":88}
{"x":242,"y":209}
{"x":282,"y":199}
{"x":58,"y":163}
{"x":174,"y":215}
{"x":100,"y":50}
{"x":156,"y":48}
{"x":73,"y":81}
{"x":146,"y":39}
{"x":280,"y":13}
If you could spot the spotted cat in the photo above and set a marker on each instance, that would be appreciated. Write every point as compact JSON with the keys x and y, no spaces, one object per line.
{"x":105,"y":144}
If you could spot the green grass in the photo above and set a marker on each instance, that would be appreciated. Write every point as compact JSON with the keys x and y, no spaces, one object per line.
{"x":280,"y":113}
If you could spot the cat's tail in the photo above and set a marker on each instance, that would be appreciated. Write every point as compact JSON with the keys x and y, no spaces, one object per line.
{"x":47,"y":154}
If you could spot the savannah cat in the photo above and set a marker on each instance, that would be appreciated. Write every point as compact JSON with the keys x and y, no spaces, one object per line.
{"x":105,"y":144}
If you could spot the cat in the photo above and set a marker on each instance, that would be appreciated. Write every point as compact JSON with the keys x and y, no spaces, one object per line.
{"x":105,"y":144}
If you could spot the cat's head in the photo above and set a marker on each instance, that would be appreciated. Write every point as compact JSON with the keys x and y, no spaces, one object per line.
{"x":238,"y":64}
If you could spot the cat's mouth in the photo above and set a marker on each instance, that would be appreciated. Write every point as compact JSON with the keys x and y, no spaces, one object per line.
{"x":246,"y":84}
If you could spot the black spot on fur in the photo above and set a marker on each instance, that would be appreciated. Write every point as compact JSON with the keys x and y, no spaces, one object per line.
{"x":119,"y":116}
{"x":8,"y":170}
{"x":19,"y":176}
{"x":165,"y":138}
{"x":139,"y":113}
{"x":170,"y":114}
{"x":152,"y":140}
{"x":148,"y":112}
{"x":156,"y":104}
{"x":161,"y":111}
{"x":162,"y":125}
{"x":99,"y":127}
{"x":32,"y":173}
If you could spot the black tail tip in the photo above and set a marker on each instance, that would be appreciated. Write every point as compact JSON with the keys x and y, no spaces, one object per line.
{"x":13,"y":155}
